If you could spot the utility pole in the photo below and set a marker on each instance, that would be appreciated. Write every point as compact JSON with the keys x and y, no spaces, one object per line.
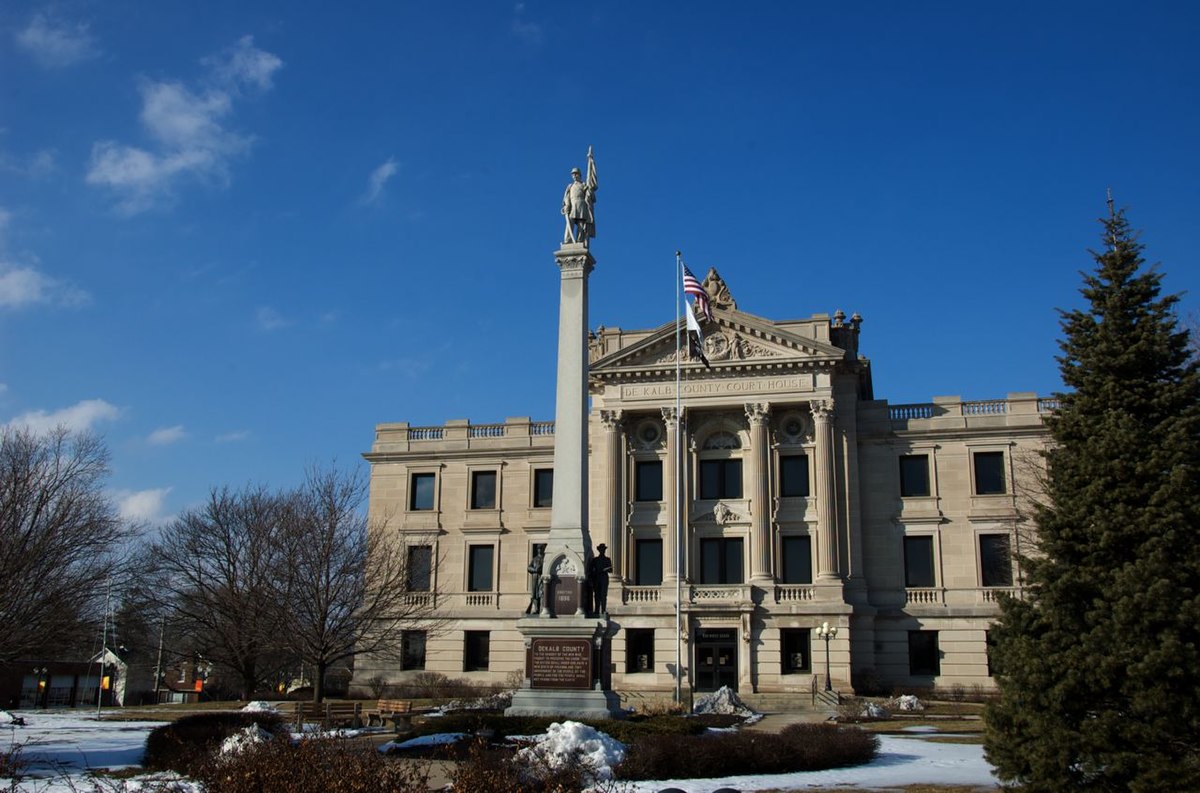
{"x":162,"y":629}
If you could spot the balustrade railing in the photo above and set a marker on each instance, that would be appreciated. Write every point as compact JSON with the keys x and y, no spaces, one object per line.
{"x":418,"y":599}
{"x":905,"y":412}
{"x":989,"y":407}
{"x":1047,"y":405}
{"x":485,"y":431}
{"x":642,"y":594}
{"x":992,"y":594}
{"x":923,"y":596}
{"x":481,"y":599}
{"x":720,"y":592}
{"x":541,"y":428}
{"x":794,"y":594}
{"x":425,"y":433}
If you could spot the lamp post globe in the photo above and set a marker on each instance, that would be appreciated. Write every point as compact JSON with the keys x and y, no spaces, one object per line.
{"x":827,"y":632}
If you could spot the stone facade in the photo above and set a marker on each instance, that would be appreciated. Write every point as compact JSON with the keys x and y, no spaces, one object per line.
{"x":804,"y":500}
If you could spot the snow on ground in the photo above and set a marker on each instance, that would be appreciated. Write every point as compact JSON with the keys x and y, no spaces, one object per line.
{"x":58,"y":743}
{"x":73,"y":742}
{"x":563,"y":741}
{"x":901,"y":761}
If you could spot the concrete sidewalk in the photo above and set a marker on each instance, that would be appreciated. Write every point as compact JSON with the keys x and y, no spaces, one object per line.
{"x":775,"y":722}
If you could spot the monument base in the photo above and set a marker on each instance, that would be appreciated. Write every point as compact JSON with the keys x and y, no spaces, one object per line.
{"x":566,"y":669}
{"x":590,"y":705}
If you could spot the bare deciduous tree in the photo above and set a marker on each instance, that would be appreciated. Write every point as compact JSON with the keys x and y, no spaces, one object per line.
{"x":221,"y":564}
{"x":60,"y":538}
{"x":348,"y":592}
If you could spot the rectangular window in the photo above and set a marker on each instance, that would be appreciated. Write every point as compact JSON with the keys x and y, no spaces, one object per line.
{"x":483,"y":490}
{"x":721,"y":561}
{"x":649,"y":563}
{"x":543,"y":487}
{"x":918,"y":562}
{"x":995,"y":560}
{"x":720,"y":479}
{"x":419,"y":573}
{"x":479,"y":574}
{"x":793,"y":475}
{"x":649,"y":476}
{"x":421,"y":492}
{"x":914,"y":475}
{"x":412,"y":648}
{"x":797,"y":560}
{"x":639,"y":650}
{"x":796,"y":647}
{"x":989,"y":473}
{"x":923,"y":656}
{"x":476,"y":649}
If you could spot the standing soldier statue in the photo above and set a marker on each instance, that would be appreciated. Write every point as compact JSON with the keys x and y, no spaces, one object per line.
{"x":598,"y":569}
{"x":535,"y":584}
{"x":578,"y":206}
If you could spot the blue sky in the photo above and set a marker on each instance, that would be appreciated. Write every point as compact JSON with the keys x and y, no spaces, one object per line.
{"x":234,"y":236}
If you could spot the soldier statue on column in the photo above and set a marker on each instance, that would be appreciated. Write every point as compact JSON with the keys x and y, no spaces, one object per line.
{"x":578,"y":205}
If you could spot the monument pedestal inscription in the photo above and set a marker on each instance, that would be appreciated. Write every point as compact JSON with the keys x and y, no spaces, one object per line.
{"x":567,"y":653}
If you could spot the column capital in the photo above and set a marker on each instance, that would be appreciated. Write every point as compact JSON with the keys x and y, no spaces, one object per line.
{"x":574,"y":260}
{"x":822,"y":410}
{"x":757,"y":413}
{"x":612,"y":419}
{"x":671,"y":417}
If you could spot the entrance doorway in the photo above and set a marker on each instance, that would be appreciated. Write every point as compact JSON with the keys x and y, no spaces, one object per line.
{"x":716,"y":659}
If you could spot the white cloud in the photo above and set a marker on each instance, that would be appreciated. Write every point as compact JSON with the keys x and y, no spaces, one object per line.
{"x":244,"y":65}
{"x":166,"y":435}
{"x":55,"y":44}
{"x":78,"y":417}
{"x":24,"y":286}
{"x":188,"y":131}
{"x":529,"y":32}
{"x":233,"y":437}
{"x":378,"y":178}
{"x":142,"y":506}
{"x":270,"y":319}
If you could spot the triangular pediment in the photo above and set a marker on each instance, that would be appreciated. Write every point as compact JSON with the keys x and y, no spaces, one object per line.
{"x":734,"y":341}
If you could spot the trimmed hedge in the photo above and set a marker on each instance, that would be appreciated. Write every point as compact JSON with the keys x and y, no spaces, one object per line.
{"x":185,"y":745}
{"x":799,"y":747}
{"x":311,"y":766}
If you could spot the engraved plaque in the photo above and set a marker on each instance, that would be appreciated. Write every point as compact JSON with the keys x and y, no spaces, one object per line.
{"x":564,"y":596}
{"x":560,"y":663}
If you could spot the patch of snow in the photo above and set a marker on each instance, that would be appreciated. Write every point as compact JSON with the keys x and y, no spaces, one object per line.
{"x":497,"y":701}
{"x":873,"y":710}
{"x":440,"y":739}
{"x":900,"y":762}
{"x":244,"y":738}
{"x":724,"y":701}
{"x":907,"y":702}
{"x":565,"y":741}
{"x":7,"y":719}
{"x":259,"y":706}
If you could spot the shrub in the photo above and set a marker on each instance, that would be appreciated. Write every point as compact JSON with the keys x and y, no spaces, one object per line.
{"x":486,"y":770}
{"x":799,"y":747}
{"x":311,"y":766}
{"x":184,"y":745}
{"x":12,"y":763}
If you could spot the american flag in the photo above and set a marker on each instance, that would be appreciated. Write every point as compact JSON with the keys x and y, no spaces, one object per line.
{"x":691,"y":286}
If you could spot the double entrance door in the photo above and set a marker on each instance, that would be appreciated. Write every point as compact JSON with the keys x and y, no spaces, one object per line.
{"x":716,"y":659}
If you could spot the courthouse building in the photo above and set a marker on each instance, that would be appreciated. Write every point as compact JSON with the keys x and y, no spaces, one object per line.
{"x":805,"y":500}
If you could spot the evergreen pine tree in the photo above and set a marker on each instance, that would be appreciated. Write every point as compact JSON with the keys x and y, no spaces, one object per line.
{"x":1099,"y":665}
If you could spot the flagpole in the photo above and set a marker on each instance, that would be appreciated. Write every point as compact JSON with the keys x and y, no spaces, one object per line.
{"x":679,"y":468}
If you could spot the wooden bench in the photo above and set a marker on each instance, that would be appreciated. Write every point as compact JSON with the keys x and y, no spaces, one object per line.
{"x":398,"y":711}
{"x":330,"y":713}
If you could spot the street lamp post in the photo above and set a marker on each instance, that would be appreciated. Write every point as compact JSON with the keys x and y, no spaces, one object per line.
{"x":827,"y":632}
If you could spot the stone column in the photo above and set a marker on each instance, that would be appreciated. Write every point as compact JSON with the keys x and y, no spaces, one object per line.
{"x":759,"y":463}
{"x":568,"y":516}
{"x":674,"y":467}
{"x":614,"y":503}
{"x":827,"y":558}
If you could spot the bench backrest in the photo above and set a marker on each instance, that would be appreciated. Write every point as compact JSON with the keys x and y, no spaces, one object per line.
{"x":394,"y":705}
